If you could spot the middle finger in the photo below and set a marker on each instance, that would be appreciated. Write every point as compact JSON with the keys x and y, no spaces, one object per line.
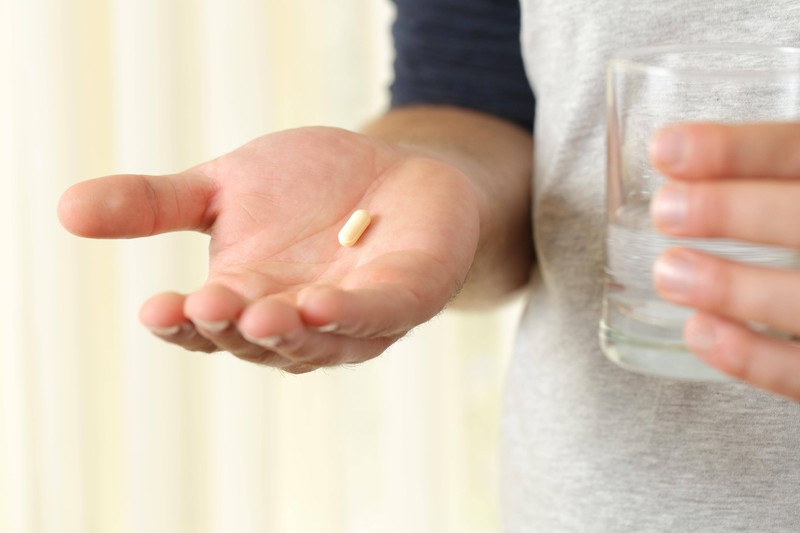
{"x":757,"y":211}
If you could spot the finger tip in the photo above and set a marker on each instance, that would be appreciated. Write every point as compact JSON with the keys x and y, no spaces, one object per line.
{"x":213,"y":303}
{"x":700,"y":332}
{"x":320,"y":305}
{"x":162,"y":310}
{"x":270,"y":317}
{"x":668,"y":150}
{"x":716,"y":340}
{"x":75,"y":212}
{"x":117,"y":206}
{"x":100,"y":208}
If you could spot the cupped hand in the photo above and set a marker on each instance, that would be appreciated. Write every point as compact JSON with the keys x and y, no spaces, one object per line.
{"x":741,"y":182}
{"x":281,"y":290}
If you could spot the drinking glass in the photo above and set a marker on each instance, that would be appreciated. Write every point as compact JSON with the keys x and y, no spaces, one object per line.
{"x":649,"y":88}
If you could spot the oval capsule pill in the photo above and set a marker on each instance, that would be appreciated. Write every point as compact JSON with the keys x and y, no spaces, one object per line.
{"x":354,"y":227}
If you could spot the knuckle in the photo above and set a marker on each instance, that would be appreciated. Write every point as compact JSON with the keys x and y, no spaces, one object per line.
{"x":729,"y":291}
{"x":733,"y":297}
{"x":714,"y":290}
{"x":748,"y":359}
{"x":152,"y":201}
{"x":761,"y":307}
{"x":722,"y":158}
{"x":739,"y":348}
{"x":709,"y":209}
{"x":757,"y":369}
{"x":749,"y":293}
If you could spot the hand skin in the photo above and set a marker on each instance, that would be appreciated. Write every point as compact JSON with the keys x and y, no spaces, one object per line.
{"x":448,"y":192}
{"x":741,"y":182}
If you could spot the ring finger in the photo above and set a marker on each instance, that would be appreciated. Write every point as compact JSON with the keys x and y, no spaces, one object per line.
{"x":745,"y":293}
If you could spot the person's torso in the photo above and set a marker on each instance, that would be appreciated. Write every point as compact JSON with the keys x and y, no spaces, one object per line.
{"x":588,"y":446}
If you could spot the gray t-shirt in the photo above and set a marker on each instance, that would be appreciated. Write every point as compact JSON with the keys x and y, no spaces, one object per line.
{"x":589,"y":447}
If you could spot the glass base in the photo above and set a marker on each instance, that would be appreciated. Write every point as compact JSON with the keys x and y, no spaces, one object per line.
{"x":656,"y":359}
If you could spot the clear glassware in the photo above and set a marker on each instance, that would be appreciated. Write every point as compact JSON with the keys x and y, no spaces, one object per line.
{"x":649,"y":88}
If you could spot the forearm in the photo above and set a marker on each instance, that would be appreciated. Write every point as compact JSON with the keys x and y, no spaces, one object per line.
{"x":496,"y":156}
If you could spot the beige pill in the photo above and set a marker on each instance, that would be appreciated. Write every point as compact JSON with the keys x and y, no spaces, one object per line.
{"x":354,"y":227}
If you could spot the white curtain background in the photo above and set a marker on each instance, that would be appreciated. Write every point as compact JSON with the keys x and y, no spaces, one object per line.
{"x":103,"y":428}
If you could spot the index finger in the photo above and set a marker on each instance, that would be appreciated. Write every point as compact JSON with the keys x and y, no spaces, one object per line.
{"x":714,"y":150}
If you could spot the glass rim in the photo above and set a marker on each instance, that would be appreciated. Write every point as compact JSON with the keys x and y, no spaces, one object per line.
{"x":631,"y":60}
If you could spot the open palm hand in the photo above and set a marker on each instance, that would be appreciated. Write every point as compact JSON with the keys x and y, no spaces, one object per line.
{"x":280,"y":289}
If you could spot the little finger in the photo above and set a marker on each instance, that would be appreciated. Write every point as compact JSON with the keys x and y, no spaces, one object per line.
{"x":768,"y":363}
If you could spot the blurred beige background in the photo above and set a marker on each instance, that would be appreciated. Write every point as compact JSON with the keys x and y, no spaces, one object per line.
{"x":103,"y":428}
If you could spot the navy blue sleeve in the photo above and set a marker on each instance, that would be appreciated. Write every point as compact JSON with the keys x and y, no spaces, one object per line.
{"x":463,"y":53}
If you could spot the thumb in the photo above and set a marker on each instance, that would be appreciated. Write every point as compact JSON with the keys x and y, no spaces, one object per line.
{"x":129,"y":205}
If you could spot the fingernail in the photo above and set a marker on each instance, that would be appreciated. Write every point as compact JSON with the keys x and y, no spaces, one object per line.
{"x":213,"y":326}
{"x":270,"y":342}
{"x":669,"y":208}
{"x":700,"y":334}
{"x":328,"y":328}
{"x":166,"y":331}
{"x":669,"y":148}
{"x":674,"y":274}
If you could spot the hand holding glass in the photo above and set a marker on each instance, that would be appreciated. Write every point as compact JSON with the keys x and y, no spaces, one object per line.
{"x":648,"y":89}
